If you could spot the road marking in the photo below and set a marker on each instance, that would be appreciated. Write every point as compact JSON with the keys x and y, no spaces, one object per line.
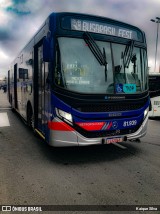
{"x":4,"y":121}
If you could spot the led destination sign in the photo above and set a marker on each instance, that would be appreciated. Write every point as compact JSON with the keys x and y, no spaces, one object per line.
{"x":101,"y":28}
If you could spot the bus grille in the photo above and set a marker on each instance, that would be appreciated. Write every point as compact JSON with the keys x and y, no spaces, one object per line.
{"x":110,"y":107}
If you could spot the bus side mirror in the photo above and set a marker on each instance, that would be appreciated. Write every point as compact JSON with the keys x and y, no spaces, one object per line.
{"x":47,"y":50}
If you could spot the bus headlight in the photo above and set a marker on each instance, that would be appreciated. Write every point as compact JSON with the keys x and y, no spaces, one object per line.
{"x":146,"y":112}
{"x":64,"y":115}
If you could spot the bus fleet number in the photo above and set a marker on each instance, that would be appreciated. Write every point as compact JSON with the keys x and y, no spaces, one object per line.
{"x":130,"y":123}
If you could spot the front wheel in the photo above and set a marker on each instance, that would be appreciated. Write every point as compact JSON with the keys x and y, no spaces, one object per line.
{"x":30,"y":120}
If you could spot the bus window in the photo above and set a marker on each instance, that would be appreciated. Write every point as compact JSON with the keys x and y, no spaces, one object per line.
{"x":83,"y":74}
{"x":154,"y":92}
{"x":133,"y":73}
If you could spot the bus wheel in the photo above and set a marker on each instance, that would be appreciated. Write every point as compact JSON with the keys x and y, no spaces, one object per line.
{"x":29,"y":116}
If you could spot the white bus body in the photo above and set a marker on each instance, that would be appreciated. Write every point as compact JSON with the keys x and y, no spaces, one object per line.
{"x":154,"y":90}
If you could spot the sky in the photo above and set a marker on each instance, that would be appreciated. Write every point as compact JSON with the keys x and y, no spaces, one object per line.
{"x":20,"y":19}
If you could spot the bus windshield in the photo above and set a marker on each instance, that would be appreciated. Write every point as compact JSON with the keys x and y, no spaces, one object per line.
{"x":117,"y":68}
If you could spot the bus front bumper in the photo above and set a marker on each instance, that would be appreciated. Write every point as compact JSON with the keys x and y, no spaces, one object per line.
{"x":65,"y":138}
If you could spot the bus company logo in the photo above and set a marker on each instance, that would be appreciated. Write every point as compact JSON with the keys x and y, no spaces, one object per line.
{"x":114,"y":97}
{"x":115,"y":124}
{"x":107,"y":126}
{"x":115,"y":114}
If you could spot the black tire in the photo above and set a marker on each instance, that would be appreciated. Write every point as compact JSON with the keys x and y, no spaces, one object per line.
{"x":30,"y":116}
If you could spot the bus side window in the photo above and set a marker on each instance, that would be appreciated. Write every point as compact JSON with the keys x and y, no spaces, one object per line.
{"x":23,"y":73}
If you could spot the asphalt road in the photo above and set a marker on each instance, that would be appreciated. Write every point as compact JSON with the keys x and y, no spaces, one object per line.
{"x":32,"y":173}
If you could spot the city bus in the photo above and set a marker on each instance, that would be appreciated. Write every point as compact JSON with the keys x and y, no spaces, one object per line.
{"x":82,"y":80}
{"x":154,"y":91}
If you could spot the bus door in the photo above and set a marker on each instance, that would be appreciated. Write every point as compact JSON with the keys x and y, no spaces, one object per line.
{"x":41,"y":92}
{"x":15,"y":87}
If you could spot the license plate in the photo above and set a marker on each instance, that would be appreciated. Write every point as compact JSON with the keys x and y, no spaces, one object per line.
{"x":114,"y":140}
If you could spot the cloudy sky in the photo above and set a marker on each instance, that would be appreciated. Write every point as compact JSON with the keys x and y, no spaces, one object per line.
{"x":20,"y":19}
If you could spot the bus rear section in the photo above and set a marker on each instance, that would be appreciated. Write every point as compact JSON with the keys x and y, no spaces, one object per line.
{"x":154,"y":91}
{"x":88,"y":81}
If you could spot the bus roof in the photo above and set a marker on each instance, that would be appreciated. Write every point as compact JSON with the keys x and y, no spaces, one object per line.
{"x":95,"y":24}
{"x":53,"y":14}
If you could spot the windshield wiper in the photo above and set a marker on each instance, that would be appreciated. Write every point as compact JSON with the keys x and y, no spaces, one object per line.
{"x":127,"y":54}
{"x":101,"y":57}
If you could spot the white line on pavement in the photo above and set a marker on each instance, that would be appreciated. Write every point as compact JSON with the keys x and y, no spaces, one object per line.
{"x":4,"y":121}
